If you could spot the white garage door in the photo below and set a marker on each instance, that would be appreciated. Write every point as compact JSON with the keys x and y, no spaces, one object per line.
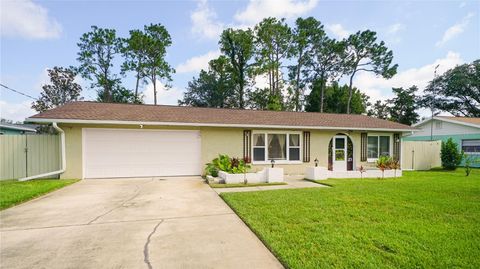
{"x":140,"y":153}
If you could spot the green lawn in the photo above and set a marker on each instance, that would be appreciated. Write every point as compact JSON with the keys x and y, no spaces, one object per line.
{"x":236,"y":185}
{"x":425,"y":219}
{"x":14,"y":192}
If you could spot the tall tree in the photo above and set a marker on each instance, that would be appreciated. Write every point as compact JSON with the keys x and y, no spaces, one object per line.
{"x":305,"y":34}
{"x":273,"y":39}
{"x":61,"y":90}
{"x":366,"y":54}
{"x":97,"y":52}
{"x":403,"y":105}
{"x":120,"y":94}
{"x":327,"y":62}
{"x":156,"y":67}
{"x":212,"y":88}
{"x":237,"y":46}
{"x":336,"y":98}
{"x":134,"y":50}
{"x":379,"y":110}
{"x":457,"y":91}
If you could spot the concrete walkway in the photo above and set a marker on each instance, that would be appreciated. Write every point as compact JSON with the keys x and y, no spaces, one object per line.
{"x":129,"y":223}
{"x":291,"y":184}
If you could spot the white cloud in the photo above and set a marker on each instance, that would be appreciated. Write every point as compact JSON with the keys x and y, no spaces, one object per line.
{"x":197,"y":63}
{"x":261,"y":81}
{"x":395,"y":28}
{"x":455,"y":30}
{"x":256,"y":10}
{"x":393,"y":33}
{"x":204,"y":21}
{"x":164,"y":96}
{"x":16,"y":111}
{"x":338,"y":30}
{"x":380,"y":89}
{"x":24,"y":18}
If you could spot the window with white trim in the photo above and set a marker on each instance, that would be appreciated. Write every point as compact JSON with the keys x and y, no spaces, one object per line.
{"x":259,"y":147}
{"x":471,"y":146}
{"x":278,"y":146}
{"x":377,"y":145}
{"x":294,"y":147}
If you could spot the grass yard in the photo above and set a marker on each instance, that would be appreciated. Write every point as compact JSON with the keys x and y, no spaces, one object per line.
{"x":13,"y":192}
{"x":236,"y":185}
{"x":425,"y":219}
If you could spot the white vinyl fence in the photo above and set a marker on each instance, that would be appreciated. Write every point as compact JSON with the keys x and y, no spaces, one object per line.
{"x":421,"y":155}
{"x":28,"y":155}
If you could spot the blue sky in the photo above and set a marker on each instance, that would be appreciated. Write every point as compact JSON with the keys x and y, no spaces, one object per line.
{"x":36,"y":35}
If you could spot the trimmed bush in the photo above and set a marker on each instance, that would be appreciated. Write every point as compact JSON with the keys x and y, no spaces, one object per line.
{"x":450,"y":155}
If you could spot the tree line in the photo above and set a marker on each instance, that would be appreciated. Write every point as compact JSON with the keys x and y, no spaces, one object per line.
{"x":294,"y":60}
{"x":141,"y":54}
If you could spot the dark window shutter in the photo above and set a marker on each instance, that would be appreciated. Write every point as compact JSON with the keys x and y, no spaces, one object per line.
{"x":363,"y":147}
{"x":396,"y":146}
{"x":306,"y":147}
{"x":247,"y":145}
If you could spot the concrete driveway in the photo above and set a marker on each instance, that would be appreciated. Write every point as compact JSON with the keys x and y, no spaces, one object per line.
{"x":129,"y":223}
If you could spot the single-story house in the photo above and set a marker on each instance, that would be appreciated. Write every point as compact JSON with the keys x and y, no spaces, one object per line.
{"x":464,"y":131}
{"x":15,"y":129}
{"x":108,"y":140}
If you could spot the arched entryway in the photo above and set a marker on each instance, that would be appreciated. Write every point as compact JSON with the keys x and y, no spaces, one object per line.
{"x":340,"y":153}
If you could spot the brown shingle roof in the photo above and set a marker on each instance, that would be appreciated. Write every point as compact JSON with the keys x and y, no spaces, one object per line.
{"x":463,"y":119}
{"x":214,"y":116}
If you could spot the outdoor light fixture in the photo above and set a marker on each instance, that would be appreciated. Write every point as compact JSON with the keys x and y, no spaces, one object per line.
{"x":398,"y":140}
{"x":316,"y":162}
{"x":273,"y":163}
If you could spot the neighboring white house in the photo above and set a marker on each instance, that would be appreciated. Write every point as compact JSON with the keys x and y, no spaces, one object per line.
{"x":463,"y":130}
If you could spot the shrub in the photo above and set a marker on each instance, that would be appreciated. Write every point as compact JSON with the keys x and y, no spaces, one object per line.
{"x":469,"y":161}
{"x":362,"y":170}
{"x":211,"y":170}
{"x":450,"y":155}
{"x":383,"y":163}
{"x":224,"y":163}
{"x":395,"y":165}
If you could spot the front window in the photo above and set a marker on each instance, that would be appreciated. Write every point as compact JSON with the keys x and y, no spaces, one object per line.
{"x":276,"y":146}
{"x":378,"y":146}
{"x":259,"y":147}
{"x":294,"y":147}
{"x":471,"y":146}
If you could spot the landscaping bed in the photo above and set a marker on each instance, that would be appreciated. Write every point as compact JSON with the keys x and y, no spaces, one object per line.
{"x":14,"y":192}
{"x":425,"y":219}
{"x":236,"y":185}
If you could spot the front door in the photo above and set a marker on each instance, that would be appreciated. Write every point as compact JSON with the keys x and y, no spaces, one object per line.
{"x":339,"y":153}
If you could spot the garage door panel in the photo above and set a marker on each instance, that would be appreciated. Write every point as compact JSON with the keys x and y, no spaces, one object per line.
{"x":137,"y":153}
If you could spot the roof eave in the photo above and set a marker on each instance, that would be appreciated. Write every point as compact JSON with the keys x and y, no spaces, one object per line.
{"x":77,"y":121}
{"x":446,"y":120}
{"x":18,"y":128}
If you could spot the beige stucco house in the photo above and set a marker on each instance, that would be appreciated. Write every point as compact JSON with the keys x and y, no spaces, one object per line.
{"x":107,"y":140}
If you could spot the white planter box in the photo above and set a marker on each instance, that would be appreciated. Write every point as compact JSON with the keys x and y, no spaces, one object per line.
{"x":274,"y":175}
{"x":316,"y":173}
{"x":240,"y":178}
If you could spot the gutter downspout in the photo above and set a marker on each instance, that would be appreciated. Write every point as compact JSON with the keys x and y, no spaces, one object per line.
{"x":64,"y":159}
